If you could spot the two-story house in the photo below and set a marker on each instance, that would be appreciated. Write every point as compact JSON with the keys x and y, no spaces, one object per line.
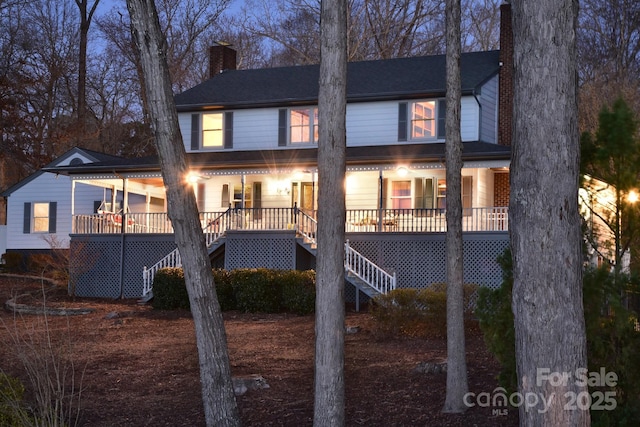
{"x":251,"y":138}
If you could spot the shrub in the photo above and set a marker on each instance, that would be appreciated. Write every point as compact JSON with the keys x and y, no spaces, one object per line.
{"x":169,"y":290}
{"x":12,"y":407}
{"x":256,"y":290}
{"x":612,"y":338}
{"x":249,"y":290}
{"x":224,"y":290}
{"x":411,"y":312}
{"x":298,"y":291}
{"x":496,"y":322}
{"x":613,"y":342}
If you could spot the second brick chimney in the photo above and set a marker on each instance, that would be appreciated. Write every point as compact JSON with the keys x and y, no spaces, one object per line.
{"x":505,"y":103}
{"x":221,"y":57}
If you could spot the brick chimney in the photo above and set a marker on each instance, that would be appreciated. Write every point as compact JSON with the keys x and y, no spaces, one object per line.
{"x":221,"y":57}
{"x":505,"y":105}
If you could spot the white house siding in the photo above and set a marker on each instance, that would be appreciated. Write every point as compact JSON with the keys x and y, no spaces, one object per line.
{"x":362,"y":190}
{"x":489,"y":112}
{"x":370,"y":123}
{"x":47,"y":187}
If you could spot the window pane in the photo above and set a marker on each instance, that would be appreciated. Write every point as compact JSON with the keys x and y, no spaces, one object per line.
{"x":212,"y":125}
{"x":401,"y":195}
{"x":423,"y":119}
{"x":303,"y":124}
{"x":41,"y":217}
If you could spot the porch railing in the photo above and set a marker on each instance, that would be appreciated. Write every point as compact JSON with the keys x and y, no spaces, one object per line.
{"x":357,"y":220}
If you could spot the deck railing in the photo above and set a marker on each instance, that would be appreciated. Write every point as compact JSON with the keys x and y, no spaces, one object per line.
{"x":357,"y":220}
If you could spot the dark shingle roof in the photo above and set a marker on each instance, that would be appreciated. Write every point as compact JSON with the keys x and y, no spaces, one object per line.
{"x":294,"y":158}
{"x":366,"y":80}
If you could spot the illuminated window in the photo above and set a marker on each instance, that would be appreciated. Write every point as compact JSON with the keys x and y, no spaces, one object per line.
{"x":423,"y":120}
{"x":401,"y":195}
{"x":41,"y":217}
{"x":303,"y":123}
{"x":212,"y":130}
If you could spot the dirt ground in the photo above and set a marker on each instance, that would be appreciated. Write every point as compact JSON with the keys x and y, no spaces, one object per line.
{"x":141,"y":367}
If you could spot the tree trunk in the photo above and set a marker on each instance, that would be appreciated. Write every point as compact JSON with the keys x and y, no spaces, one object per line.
{"x":544,"y":218}
{"x":215,"y":374}
{"x":329,"y":348}
{"x":456,"y":361}
{"x":85,"y":23}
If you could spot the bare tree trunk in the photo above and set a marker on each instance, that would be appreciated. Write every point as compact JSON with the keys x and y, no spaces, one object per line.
{"x":329,"y":356}
{"x":215,"y":374}
{"x":85,"y":23}
{"x":456,"y":357}
{"x":544,"y":218}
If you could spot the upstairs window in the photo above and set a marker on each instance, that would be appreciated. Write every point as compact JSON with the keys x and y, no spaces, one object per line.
{"x":212,"y":130}
{"x":423,"y":120}
{"x":303,"y":125}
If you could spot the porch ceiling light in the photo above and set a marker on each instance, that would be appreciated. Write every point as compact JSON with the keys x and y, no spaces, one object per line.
{"x":632,"y":197}
{"x":402,"y":171}
{"x":194,"y":177}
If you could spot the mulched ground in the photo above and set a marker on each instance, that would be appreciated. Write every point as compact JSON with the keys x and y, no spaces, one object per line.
{"x":140,"y":366}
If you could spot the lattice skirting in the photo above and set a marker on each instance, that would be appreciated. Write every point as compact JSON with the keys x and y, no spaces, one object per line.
{"x":111,"y":265}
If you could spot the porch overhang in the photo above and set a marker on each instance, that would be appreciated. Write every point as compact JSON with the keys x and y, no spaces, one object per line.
{"x":418,"y":156}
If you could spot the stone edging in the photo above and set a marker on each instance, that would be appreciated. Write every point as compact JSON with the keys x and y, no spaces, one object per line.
{"x":13,"y":306}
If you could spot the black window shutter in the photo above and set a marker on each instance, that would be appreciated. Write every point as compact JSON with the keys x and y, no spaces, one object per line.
{"x":228,"y":129}
{"x":27,"y":218}
{"x":428,"y":193}
{"x":402,"y":121}
{"x":195,"y":131}
{"x":282,"y":127}
{"x":385,"y":187}
{"x":442,"y":113}
{"x":53,"y":216}
{"x":419,"y":193}
{"x":225,"y":196}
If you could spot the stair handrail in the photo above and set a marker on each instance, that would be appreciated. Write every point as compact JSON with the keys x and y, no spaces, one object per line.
{"x":213,"y":231}
{"x":307,"y":226}
{"x":367,"y":271}
{"x":171,"y":260}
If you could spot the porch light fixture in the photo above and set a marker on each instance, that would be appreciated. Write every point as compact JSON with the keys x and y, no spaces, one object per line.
{"x":633,"y":197}
{"x":402,"y":171}
{"x":194,"y":178}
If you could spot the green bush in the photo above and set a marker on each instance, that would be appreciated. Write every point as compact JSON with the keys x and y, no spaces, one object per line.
{"x":224,"y":290}
{"x":249,"y":290}
{"x":298,"y":291}
{"x":169,"y":290}
{"x":496,"y":322}
{"x":612,"y":338}
{"x":12,"y":407}
{"x":613,"y":342}
{"x":256,"y":290}
{"x":411,"y":312}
